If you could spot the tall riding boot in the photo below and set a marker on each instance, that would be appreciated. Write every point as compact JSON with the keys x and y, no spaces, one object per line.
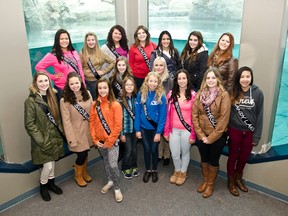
{"x":78,"y":175}
{"x":212,"y":174}
{"x":205,"y":170}
{"x":231,"y":186}
{"x":44,"y":192}
{"x":85,"y":175}
{"x":51,"y":186}
{"x":239,"y":182}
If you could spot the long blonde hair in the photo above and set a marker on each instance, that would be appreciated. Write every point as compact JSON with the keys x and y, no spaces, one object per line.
{"x":51,"y":97}
{"x":165,"y":74}
{"x":87,"y":52}
{"x":145,"y":89}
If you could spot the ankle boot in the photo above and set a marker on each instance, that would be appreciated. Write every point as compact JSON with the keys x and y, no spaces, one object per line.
{"x":44,"y":192}
{"x":181,"y":179}
{"x":212,"y":174}
{"x":85,"y":175}
{"x":51,"y":186}
{"x":78,"y":175}
{"x":204,"y":183}
{"x":174,"y":177}
{"x":231,"y":186}
{"x":239,"y":182}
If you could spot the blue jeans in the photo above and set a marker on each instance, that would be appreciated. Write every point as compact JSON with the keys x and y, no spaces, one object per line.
{"x":130,"y":152}
{"x":150,"y":148}
{"x":91,"y":87}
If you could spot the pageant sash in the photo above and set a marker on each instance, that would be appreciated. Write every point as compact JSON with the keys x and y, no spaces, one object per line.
{"x":145,"y":57}
{"x":179,"y":113}
{"x":153,"y":123}
{"x":69,"y":62}
{"x":113,"y":50}
{"x":82,"y":111}
{"x":129,"y":110}
{"x":92,"y":69}
{"x":210,"y":115}
{"x":246,"y":121}
{"x":102,"y":120}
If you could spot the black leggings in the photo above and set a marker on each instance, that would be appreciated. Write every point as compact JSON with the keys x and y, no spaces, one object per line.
{"x":210,"y":153}
{"x":81,"y":157}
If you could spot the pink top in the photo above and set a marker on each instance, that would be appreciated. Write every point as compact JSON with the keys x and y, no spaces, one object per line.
{"x":173,"y":121}
{"x":49,"y":60}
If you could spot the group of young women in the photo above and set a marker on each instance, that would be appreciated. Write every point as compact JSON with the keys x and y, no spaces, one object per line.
{"x":182,"y":99}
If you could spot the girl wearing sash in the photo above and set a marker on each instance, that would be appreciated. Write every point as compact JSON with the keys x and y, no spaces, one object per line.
{"x":179,"y":130}
{"x":105,"y":128}
{"x":210,"y":116}
{"x":245,"y":126}
{"x":128,"y":137}
{"x":63,"y":58}
{"x":140,"y":53}
{"x":93,"y":59}
{"x":167,"y":50}
{"x":194,"y":58}
{"x":121,"y":71}
{"x":150,"y":117}
{"x":159,"y":65}
{"x":222,"y":58}
{"x":43,"y":124}
{"x":75,"y":108}
{"x":116,"y":45}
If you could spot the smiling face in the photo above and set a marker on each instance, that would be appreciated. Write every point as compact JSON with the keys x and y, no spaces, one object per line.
{"x":245,"y":80}
{"x":159,"y":66}
{"x":42,"y":83}
{"x":152,"y":83}
{"x":91,"y":41}
{"x":211,"y":80}
{"x":103,"y":89}
{"x":121,"y":67}
{"x":141,"y":34}
{"x":64,"y":41}
{"x":193,"y":42}
{"x":165,"y":41}
{"x":74,"y":84}
{"x":116,"y":36}
{"x":182,"y":80}
{"x":129,"y":87}
{"x":224,"y":42}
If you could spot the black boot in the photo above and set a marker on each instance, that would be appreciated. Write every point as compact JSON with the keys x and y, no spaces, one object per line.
{"x":51,"y":186}
{"x":44,"y":192}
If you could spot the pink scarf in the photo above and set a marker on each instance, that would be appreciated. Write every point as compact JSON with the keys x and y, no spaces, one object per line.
{"x":207,"y":97}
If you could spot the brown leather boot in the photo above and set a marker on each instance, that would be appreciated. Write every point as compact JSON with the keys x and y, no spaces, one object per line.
{"x":174,"y":177}
{"x":239,"y":182}
{"x":231,"y":186}
{"x":204,"y":183}
{"x":212,"y":174}
{"x":181,"y":179}
{"x":78,"y":175}
{"x":85,"y":175}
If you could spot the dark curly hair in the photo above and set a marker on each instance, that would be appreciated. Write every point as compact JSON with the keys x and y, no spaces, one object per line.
{"x":69,"y":95}
{"x":175,"y":90}
{"x":123,"y":42}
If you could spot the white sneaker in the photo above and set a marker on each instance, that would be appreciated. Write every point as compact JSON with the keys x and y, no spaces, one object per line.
{"x":107,"y":187}
{"x":118,"y":196}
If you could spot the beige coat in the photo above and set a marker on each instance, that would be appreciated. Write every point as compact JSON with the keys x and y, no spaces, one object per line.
{"x":220,"y":109}
{"x":75,"y":126}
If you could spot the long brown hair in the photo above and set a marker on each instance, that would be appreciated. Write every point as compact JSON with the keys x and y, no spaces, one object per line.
{"x":111,"y":97}
{"x":137,"y":42}
{"x":127,"y":72}
{"x":87,"y":52}
{"x":124,"y":93}
{"x":51,"y":97}
{"x":69,"y":95}
{"x":222,"y":56}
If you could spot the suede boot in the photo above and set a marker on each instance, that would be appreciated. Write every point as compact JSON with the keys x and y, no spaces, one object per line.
{"x":239,"y":182}
{"x":181,"y":179}
{"x":78,"y":175}
{"x":85,"y":175}
{"x":44,"y":192}
{"x":212,"y":174}
{"x":51,"y":186}
{"x":205,"y":170}
{"x":174,"y":177}
{"x":231,"y":186}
